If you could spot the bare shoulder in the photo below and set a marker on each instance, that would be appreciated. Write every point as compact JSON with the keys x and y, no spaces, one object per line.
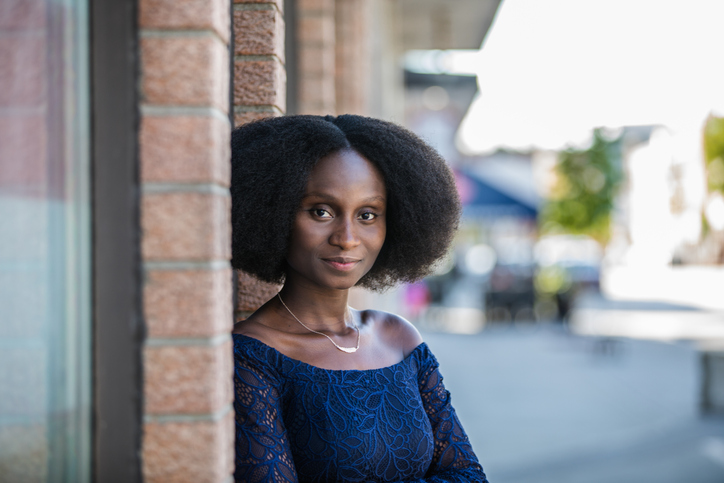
{"x":250,"y":328}
{"x":394,"y":331}
{"x":253,"y":326}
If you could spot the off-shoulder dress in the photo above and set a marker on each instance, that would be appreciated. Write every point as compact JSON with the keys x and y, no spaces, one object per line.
{"x":300,"y":423}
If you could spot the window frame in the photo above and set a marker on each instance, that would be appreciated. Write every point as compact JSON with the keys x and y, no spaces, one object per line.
{"x":119,"y":329}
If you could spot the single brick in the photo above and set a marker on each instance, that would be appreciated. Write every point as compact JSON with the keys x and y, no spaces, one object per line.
{"x":315,"y":5}
{"x":188,"y":303}
{"x":259,"y":32}
{"x":185,"y":70}
{"x":186,"y":14}
{"x":252,"y":293}
{"x":279,"y":4}
{"x":351,"y":58}
{"x":22,"y":70}
{"x":316,"y":60}
{"x":186,"y":226}
{"x":185,"y":149}
{"x":187,"y":379}
{"x":260,"y":83}
{"x":316,"y":30}
{"x":317,"y":93}
{"x":193,"y":452}
{"x":241,"y":118}
{"x":316,"y":109}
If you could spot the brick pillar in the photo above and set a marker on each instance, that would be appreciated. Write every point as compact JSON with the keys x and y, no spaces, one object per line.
{"x":184,"y":152}
{"x":259,"y":73}
{"x":259,"y":92}
{"x":316,"y":56}
{"x":352,"y":49}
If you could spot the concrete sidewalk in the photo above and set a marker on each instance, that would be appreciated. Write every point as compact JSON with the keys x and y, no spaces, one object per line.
{"x":596,"y":314}
{"x":546,"y":406}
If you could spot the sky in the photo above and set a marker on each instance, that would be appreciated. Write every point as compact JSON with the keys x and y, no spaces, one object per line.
{"x":551,"y":71}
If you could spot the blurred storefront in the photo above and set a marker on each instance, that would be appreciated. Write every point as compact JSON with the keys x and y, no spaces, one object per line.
{"x":491,"y":270}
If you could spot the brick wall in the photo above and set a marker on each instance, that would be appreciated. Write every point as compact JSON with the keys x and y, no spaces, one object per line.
{"x":316,"y":57}
{"x":333,"y":48}
{"x":184,"y":152}
{"x":352,"y":63}
{"x":259,"y":73}
{"x":259,"y":92}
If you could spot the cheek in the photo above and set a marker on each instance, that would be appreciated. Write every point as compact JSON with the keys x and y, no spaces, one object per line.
{"x":379,"y":238}
{"x":379,"y":243}
{"x":296,"y":242}
{"x":304,"y":240}
{"x":301,"y":233}
{"x":383,"y":230}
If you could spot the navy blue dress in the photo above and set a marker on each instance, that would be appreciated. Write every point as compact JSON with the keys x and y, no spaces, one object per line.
{"x":300,"y":423}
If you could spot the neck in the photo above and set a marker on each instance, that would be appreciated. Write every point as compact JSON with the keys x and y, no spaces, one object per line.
{"x":319,"y":310}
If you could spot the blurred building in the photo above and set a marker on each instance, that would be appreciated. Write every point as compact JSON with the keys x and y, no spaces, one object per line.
{"x":116,"y":294}
{"x":493,"y":254}
{"x":492,"y":187}
{"x":346,"y":55}
{"x":434,"y":108}
{"x":661,"y":208}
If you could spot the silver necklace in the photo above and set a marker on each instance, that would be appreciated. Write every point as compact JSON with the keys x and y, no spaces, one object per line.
{"x":348,"y":350}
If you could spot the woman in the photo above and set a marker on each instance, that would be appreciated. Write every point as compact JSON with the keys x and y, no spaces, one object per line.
{"x":323,"y":392}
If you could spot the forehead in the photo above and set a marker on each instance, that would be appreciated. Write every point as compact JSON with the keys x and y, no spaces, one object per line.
{"x":345,"y":170}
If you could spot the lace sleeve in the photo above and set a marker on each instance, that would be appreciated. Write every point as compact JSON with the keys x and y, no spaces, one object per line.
{"x":262,"y":447}
{"x":453,"y":457}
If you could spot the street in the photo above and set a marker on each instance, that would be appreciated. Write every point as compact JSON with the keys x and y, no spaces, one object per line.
{"x":543,"y":405}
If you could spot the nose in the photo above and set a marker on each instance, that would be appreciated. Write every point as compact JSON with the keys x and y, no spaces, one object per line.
{"x":344,"y":235}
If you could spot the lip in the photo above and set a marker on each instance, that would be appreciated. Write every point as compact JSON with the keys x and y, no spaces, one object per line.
{"x":342,"y":264}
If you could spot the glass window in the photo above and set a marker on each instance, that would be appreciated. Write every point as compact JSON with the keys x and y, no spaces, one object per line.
{"x":45,"y":239}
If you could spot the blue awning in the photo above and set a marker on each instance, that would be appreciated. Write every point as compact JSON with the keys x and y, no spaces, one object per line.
{"x":483,"y":200}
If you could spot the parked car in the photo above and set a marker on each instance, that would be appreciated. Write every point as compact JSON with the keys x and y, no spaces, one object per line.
{"x":510,"y":295}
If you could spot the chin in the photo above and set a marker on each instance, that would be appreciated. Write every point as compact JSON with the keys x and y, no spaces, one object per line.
{"x":345,"y":283}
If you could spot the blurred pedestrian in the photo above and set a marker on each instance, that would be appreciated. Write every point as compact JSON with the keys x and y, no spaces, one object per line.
{"x":417,"y":298}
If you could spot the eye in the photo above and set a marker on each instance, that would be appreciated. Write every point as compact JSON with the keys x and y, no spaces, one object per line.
{"x":368,"y":216}
{"x":320,"y":213}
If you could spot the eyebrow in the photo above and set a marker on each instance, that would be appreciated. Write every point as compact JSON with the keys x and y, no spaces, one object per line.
{"x":325,"y":196}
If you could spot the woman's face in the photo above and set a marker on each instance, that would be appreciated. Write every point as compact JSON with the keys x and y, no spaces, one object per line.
{"x":340,"y":227}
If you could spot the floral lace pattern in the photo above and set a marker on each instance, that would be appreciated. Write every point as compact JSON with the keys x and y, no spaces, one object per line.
{"x":300,"y":423}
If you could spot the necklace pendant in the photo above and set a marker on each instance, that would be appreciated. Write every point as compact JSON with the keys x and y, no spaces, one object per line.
{"x":347,"y":350}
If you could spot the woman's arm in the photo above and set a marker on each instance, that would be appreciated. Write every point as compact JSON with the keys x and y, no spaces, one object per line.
{"x":262,"y":447}
{"x":453,"y":457}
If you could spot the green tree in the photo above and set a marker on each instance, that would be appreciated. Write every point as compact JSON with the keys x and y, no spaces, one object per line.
{"x":714,"y":153}
{"x":587,"y":181}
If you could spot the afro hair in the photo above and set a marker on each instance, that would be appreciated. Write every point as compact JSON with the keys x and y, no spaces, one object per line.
{"x":271,"y":162}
